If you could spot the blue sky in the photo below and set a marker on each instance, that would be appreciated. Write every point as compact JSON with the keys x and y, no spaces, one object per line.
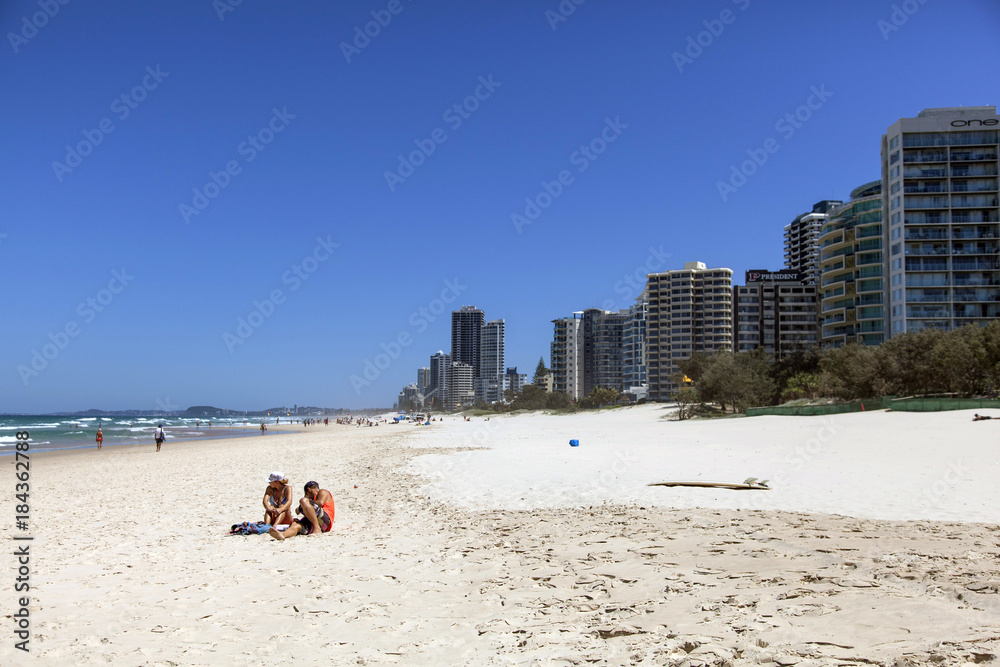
{"x":249,"y":155}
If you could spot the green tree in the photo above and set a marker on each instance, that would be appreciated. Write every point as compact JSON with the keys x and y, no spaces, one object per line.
{"x":959,"y":360}
{"x":694,"y":366}
{"x":853,"y":372}
{"x":687,"y":399}
{"x":599,"y":397}
{"x":802,"y":385}
{"x":540,"y":371}
{"x":738,"y":381}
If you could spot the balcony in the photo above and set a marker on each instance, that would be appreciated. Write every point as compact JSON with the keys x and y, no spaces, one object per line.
{"x":976,"y":249}
{"x":922,"y":172}
{"x":965,"y":170}
{"x":930,"y":281}
{"x":927,"y":311}
{"x":975,"y":264}
{"x":974,"y":216}
{"x":925,"y":188}
{"x":971,"y":156}
{"x":930,"y":218}
{"x":923,"y":251}
{"x":925,"y":234}
{"x":916,"y":264}
{"x":917,"y":202}
{"x":911,"y":157}
{"x":980,"y":233}
{"x":973,"y":201}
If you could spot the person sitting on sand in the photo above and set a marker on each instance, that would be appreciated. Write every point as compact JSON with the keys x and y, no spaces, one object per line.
{"x":278,"y":500}
{"x":979,"y":418}
{"x":317,"y":514}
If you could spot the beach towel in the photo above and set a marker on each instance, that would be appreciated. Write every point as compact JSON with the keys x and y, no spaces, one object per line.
{"x":247,"y":528}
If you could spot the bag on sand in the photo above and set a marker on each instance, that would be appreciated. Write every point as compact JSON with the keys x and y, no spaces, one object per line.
{"x":247,"y":528}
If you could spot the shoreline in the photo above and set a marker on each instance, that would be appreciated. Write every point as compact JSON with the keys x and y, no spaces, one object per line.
{"x":175,"y":440}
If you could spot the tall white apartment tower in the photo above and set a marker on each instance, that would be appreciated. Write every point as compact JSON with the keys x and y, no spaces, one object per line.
{"x":689,"y":310}
{"x":566,"y":356}
{"x":942,"y":219}
{"x":489,"y":384}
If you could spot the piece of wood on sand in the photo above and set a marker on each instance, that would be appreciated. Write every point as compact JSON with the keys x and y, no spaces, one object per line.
{"x":748,"y":484}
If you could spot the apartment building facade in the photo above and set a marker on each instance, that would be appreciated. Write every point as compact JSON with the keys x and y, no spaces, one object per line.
{"x":802,"y":240}
{"x":776,"y":311}
{"x":939,"y":178}
{"x":852,"y":270}
{"x":689,"y":310}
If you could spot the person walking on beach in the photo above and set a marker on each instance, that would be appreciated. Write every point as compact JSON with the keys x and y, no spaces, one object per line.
{"x":317,"y":514}
{"x":159,"y":436}
{"x":100,"y":438}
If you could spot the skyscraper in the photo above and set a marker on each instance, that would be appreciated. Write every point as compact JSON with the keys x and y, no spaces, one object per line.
{"x":489,"y":384}
{"x":460,"y":387}
{"x":634,"y":346}
{"x":466,"y":330}
{"x":802,"y":240}
{"x":602,"y":349}
{"x":423,"y":379}
{"x":852,"y":266}
{"x":690,"y":310}
{"x":566,"y":356}
{"x":438,"y":391}
{"x":940,"y":203}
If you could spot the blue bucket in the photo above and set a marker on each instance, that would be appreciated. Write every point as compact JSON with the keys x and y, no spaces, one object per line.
{"x":574,"y":443}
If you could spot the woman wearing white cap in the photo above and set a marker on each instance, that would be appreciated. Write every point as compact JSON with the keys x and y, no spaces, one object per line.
{"x":277,"y":500}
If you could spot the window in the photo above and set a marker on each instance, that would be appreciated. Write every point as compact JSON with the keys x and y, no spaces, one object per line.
{"x":894,"y":158}
{"x":894,"y":188}
{"x":896,"y":248}
{"x":897,"y":295}
{"x":897,"y":264}
{"x":895,"y":203}
{"x":895,"y":234}
{"x":894,"y":142}
{"x":897,"y":279}
{"x":894,"y":172}
{"x":895,"y":218}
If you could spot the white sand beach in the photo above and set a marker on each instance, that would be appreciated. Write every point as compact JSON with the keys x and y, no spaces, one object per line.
{"x":496,"y":543}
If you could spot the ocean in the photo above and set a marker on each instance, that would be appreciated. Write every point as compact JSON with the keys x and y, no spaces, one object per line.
{"x":49,"y":432}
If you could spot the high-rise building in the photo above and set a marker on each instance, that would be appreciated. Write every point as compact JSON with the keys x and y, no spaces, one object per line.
{"x":423,"y":379}
{"x":461,"y":393}
{"x":602,"y":349}
{"x":852,"y":266}
{"x":775,"y":311}
{"x":634,"y":347}
{"x":489,"y":384}
{"x":410,"y":398}
{"x":439,"y":388}
{"x":466,"y":329}
{"x":939,"y":180}
{"x":566,"y":356}
{"x":690,"y":310}
{"x":802,"y":240}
